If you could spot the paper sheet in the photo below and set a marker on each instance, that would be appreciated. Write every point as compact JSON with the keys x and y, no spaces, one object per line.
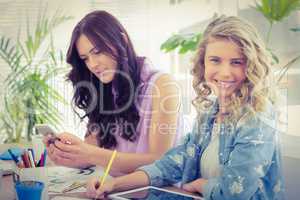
{"x":60,"y":178}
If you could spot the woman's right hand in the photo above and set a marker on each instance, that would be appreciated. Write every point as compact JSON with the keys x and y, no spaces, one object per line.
{"x":52,"y":148}
{"x":95,"y":191}
{"x":68,"y":150}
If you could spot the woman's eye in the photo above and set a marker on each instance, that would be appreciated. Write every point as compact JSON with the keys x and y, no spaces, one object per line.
{"x":214,"y":60}
{"x":96,"y":51}
{"x":237,"y":62}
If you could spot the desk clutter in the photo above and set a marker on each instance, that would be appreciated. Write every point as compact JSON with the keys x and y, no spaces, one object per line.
{"x":25,"y":167}
{"x":59,"y":179}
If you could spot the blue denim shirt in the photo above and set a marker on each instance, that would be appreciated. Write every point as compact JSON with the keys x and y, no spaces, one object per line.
{"x":249,"y":157}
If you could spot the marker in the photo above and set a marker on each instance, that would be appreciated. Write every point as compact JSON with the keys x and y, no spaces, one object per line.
{"x":15,"y":159}
{"x":43,"y":162}
{"x":31,"y":160}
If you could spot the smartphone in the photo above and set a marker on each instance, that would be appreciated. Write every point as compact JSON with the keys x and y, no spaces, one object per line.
{"x":46,"y":130}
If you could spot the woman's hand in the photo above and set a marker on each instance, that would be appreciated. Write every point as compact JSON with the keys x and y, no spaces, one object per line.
{"x":69,"y":151}
{"x":195,"y":186}
{"x":95,"y":191}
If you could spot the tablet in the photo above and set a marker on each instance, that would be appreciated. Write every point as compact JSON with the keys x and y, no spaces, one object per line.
{"x":151,"y":193}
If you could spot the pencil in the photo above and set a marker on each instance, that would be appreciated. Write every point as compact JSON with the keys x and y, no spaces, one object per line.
{"x":108,"y":167}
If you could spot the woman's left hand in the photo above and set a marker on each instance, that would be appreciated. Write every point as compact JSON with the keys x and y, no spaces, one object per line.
{"x":195,"y":186}
{"x":71,"y":151}
{"x":93,"y":190}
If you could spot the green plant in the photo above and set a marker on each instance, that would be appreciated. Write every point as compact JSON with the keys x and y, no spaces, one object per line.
{"x":276,"y":11}
{"x":29,"y":98}
{"x":184,"y":42}
{"x":12,"y":120}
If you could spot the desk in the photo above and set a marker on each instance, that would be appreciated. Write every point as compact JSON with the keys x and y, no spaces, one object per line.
{"x":8,"y":193}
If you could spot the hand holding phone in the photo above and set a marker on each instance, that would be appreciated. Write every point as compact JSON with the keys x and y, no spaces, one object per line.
{"x":47,"y":131}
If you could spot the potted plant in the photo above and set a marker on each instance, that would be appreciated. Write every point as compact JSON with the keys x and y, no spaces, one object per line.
{"x":29,"y":98}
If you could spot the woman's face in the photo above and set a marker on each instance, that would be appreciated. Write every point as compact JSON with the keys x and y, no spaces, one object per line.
{"x":225,"y":67}
{"x":102,"y":65}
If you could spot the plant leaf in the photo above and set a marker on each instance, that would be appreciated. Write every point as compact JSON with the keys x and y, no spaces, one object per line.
{"x":26,"y":85}
{"x":172,"y":43}
{"x":276,"y":10}
{"x":286,"y":67}
{"x":185,"y":42}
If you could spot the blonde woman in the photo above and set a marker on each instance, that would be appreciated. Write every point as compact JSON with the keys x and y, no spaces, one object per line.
{"x":232,"y":152}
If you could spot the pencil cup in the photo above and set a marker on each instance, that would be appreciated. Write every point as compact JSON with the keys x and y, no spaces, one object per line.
{"x":29,"y":190}
{"x":39,"y":174}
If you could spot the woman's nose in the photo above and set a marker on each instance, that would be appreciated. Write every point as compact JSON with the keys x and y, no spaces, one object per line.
{"x":225,"y":70}
{"x":92,"y":62}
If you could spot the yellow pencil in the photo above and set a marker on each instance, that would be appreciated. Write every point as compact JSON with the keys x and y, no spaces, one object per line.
{"x":108,"y":167}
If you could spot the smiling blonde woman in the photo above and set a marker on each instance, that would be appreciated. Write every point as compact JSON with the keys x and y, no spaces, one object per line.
{"x":233,"y":151}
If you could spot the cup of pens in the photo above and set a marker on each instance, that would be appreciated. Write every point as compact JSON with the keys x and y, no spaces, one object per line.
{"x":31,"y":175}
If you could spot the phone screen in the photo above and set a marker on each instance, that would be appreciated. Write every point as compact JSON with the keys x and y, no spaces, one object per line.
{"x":45,"y":130}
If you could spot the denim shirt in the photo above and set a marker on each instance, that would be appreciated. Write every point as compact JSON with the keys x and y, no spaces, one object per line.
{"x":249,"y":156}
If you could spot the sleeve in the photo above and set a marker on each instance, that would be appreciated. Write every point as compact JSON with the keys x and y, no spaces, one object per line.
{"x":169,"y":169}
{"x":178,"y":163}
{"x":249,"y":160}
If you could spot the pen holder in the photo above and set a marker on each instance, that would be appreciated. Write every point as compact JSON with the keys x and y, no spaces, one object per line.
{"x":29,"y":190}
{"x":39,"y":174}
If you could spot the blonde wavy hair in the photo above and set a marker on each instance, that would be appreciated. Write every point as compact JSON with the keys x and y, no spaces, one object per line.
{"x":257,"y":88}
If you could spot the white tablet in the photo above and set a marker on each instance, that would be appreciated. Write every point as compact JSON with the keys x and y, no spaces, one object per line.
{"x":151,"y":193}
